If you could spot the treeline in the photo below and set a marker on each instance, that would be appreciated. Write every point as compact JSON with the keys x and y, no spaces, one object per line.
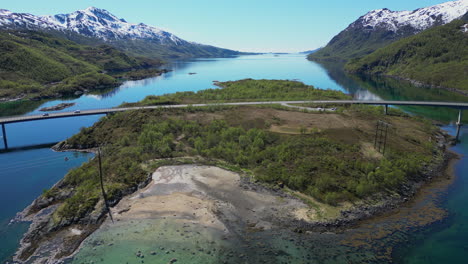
{"x":41,"y":64}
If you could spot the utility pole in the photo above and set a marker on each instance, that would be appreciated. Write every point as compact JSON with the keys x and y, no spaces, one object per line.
{"x":5,"y":142}
{"x":102,"y":186}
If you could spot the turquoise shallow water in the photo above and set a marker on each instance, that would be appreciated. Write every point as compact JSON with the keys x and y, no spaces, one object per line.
{"x":25,"y":174}
{"x":158,"y":241}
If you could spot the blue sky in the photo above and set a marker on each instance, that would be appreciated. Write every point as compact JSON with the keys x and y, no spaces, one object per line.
{"x":246,"y":25}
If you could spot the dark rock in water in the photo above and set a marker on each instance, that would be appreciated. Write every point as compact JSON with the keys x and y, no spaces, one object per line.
{"x":57,"y":107}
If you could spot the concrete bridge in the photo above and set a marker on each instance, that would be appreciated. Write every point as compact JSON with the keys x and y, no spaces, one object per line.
{"x":18,"y":119}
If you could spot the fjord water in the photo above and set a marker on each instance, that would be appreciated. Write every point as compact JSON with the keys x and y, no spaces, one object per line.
{"x":447,"y":242}
{"x":25,"y":173}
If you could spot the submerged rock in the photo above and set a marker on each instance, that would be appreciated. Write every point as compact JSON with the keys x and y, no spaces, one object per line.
{"x":57,"y":107}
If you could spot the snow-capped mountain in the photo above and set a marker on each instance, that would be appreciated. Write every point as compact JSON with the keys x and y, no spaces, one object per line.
{"x":91,"y":22}
{"x":419,"y":19}
{"x":381,"y":27}
{"x":96,"y":26}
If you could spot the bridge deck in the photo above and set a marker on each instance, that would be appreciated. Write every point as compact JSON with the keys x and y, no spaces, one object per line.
{"x":16,"y":119}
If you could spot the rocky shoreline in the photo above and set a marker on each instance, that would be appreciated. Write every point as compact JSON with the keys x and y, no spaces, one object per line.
{"x":62,"y":240}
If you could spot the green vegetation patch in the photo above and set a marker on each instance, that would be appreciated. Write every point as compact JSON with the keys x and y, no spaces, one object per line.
{"x":330,"y":165}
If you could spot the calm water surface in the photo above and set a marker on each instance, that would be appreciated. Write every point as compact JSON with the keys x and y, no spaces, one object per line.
{"x":25,"y":173}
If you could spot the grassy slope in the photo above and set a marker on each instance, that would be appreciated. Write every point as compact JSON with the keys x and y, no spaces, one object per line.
{"x":331,"y":161}
{"x":437,"y":57}
{"x":38,"y":63}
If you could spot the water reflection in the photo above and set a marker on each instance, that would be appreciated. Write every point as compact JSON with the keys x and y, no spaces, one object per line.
{"x":124,"y":86}
{"x":335,"y":71}
{"x":366,"y":96}
{"x":367,"y":87}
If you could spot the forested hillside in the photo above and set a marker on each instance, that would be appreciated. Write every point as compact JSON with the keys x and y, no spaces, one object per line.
{"x":436,"y":57}
{"x":38,"y":64}
{"x":353,"y":43}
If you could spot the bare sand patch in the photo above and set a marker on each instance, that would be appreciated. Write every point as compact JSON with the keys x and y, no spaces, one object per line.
{"x":209,"y":196}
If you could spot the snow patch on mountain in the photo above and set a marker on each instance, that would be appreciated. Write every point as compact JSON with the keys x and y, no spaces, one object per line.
{"x":464,"y":28}
{"x":93,"y":22}
{"x":419,"y":19}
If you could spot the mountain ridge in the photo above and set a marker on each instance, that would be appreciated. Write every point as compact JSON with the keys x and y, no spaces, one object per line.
{"x":381,"y":27}
{"x":103,"y":26}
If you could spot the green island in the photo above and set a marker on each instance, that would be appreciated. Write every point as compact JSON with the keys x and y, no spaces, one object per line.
{"x":327,"y":159}
{"x":436,"y":57}
{"x":37,"y":65}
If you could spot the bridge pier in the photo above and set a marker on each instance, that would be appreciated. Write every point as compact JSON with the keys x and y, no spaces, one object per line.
{"x":459,"y":124}
{"x":5,"y":142}
{"x":386,"y":109}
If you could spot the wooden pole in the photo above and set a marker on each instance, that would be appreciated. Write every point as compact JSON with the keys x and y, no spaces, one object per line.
{"x":102,"y":186}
